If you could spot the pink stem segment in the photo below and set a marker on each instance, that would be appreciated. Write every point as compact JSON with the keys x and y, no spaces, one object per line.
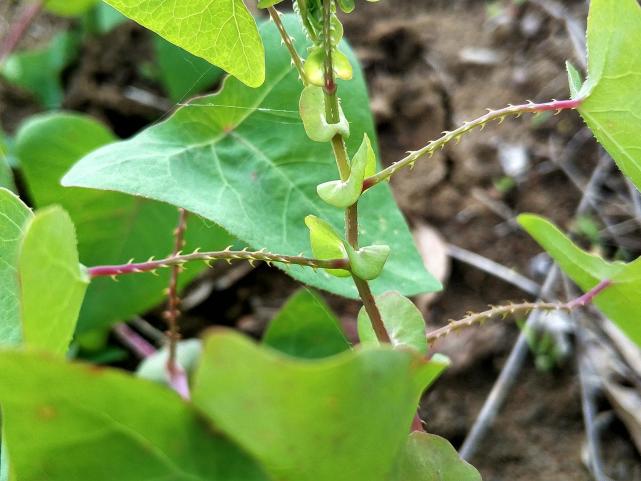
{"x":589,"y":296}
{"x":19,"y":29}
{"x":133,"y":340}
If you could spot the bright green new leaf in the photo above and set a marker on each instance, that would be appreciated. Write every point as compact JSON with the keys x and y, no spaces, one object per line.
{"x":52,"y":281}
{"x":368,"y":262}
{"x":343,"y":194}
{"x":403,"y":321}
{"x":347,"y":6}
{"x":69,"y":422}
{"x":612,"y":105}
{"x":38,"y":71}
{"x":183,"y":75}
{"x":13,"y":216}
{"x":326,"y":243}
{"x":242,"y":159}
{"x":306,"y":327}
{"x":620,"y":301}
{"x":312,"y":112}
{"x":574,"y":79}
{"x":111,"y":227}
{"x":314,"y":66}
{"x":427,"y":457}
{"x":223,"y":32}
{"x":339,"y":418}
{"x":69,"y":8}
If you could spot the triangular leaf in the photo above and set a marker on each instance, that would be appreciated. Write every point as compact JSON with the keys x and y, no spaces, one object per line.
{"x":67,"y":422}
{"x":620,"y":301}
{"x":242,"y":159}
{"x":305,"y":327}
{"x":343,"y":417}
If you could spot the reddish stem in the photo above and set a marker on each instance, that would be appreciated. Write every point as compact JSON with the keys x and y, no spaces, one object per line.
{"x":20,"y":28}
{"x":133,"y":340}
{"x":151,"y":266}
{"x":589,"y":296}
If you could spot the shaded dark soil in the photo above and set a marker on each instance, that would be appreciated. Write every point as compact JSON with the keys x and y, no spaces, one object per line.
{"x":430,"y":65}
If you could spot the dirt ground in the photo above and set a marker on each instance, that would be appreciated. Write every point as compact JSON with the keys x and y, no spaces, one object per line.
{"x":430,"y":65}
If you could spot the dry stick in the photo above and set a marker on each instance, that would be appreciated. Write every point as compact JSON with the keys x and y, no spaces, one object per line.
{"x":20,"y":28}
{"x":175,"y":372}
{"x":517,"y":356}
{"x":589,"y":391}
{"x":209,"y":257}
{"x":494,"y":268}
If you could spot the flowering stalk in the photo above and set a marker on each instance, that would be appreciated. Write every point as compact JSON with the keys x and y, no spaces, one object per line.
{"x":492,"y":115}
{"x":209,"y":257}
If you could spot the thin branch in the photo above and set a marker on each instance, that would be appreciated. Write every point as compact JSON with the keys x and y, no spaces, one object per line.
{"x":134,"y":341}
{"x":455,"y":135}
{"x":473,"y":319}
{"x":288,"y":41}
{"x":171,"y":315}
{"x":19,"y":29}
{"x":209,"y":257}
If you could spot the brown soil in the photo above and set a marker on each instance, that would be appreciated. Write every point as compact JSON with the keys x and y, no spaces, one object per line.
{"x":431,"y":65}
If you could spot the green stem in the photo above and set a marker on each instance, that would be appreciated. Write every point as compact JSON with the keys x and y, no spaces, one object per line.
{"x":342,"y":161}
{"x":287,"y":40}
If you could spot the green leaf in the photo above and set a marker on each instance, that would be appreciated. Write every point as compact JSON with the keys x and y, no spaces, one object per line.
{"x":343,"y":194}
{"x":268,"y":3}
{"x":6,"y":175}
{"x":403,"y":321}
{"x":69,"y":8}
{"x":574,"y":78}
{"x":104,"y":18}
{"x":427,"y":457}
{"x":69,"y":422}
{"x":312,"y":112}
{"x":112,"y":228}
{"x":245,"y":162}
{"x":306,"y":327}
{"x":13,"y":216}
{"x":620,"y":301}
{"x":223,"y":32}
{"x":183,"y":75}
{"x":52,"y":282}
{"x":368,"y":262}
{"x":612,"y":105}
{"x":344,"y":417}
{"x":326,"y":243}
{"x":38,"y":71}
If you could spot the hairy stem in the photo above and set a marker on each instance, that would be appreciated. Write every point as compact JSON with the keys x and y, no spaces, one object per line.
{"x":492,"y":115}
{"x":517,"y":310}
{"x":172,"y":313}
{"x":287,"y":40}
{"x":226,"y":255}
{"x":19,"y":29}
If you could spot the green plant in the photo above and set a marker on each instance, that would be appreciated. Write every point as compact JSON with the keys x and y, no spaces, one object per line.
{"x":303,"y":405}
